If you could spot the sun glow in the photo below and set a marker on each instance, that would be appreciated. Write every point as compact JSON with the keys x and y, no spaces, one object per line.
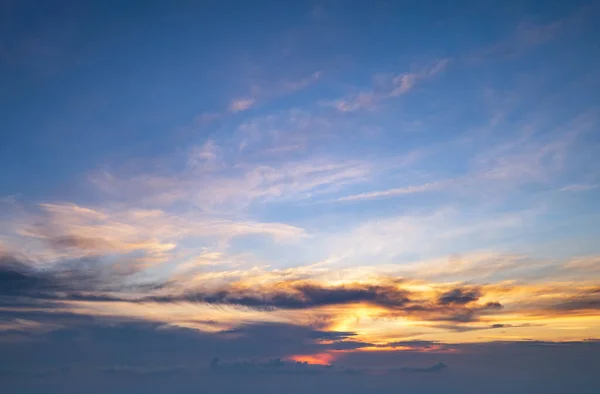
{"x":318,"y":358}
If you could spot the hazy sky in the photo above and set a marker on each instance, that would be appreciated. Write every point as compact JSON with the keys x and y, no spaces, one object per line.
{"x":231,"y":196}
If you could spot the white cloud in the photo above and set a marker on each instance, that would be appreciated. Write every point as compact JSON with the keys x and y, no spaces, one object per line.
{"x":208,"y":156}
{"x":403,"y":83}
{"x":235,"y":187}
{"x":67,"y":231}
{"x":262,"y":91}
{"x":293,"y":127}
{"x":586,"y":264}
{"x":241,"y":104}
{"x":394,"y":192}
{"x":248,"y":168}
{"x":581,"y":187}
{"x":292,"y":86}
{"x":386,"y":89}
{"x":431,"y":234}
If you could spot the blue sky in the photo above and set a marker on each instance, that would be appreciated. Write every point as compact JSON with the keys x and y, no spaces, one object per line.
{"x":339,"y":167}
{"x":421,"y":111}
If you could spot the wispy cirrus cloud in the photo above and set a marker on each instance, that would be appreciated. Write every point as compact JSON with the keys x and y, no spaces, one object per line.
{"x":289,"y":131}
{"x":290,"y":86}
{"x":579,"y":187}
{"x":446,"y":230}
{"x":395,"y":86}
{"x":528,"y":34}
{"x":427,"y":187}
{"x":240,"y":186}
{"x":232,"y":181}
{"x":263,"y":91}
{"x":587,"y":264}
{"x":530,"y":156}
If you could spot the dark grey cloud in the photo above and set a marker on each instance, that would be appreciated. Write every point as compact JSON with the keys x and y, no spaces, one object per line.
{"x":80,"y":280}
{"x":16,"y":278}
{"x":458,"y":305}
{"x":415,"y":344}
{"x":348,"y":345}
{"x":586,"y":301}
{"x":465,"y":328}
{"x":300,"y":296}
{"x":460,"y":296}
{"x":332,"y":335}
{"x":493,"y":305}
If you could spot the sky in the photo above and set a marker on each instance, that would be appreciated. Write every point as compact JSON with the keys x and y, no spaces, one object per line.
{"x":217,"y":196}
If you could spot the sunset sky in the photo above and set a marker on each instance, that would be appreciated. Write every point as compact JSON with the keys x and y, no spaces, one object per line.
{"x":398,"y":193}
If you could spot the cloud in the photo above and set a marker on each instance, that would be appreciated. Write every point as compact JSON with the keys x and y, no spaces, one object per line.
{"x":292,"y":86}
{"x":500,"y":170}
{"x":235,"y":186}
{"x":16,"y":279}
{"x":287,"y":131}
{"x":298,"y":296}
{"x":271,"y":88}
{"x":394,"y":192}
{"x":102,"y":283}
{"x":207,"y":157}
{"x":390,"y":238}
{"x":394,"y":300}
{"x":64,"y":242}
{"x":331,"y":335}
{"x":168,"y":346}
{"x":135,"y":238}
{"x":69,"y":231}
{"x":527,"y":35}
{"x":414,"y":344}
{"x":99,"y":288}
{"x":349,"y":345}
{"x":585,"y":301}
{"x":579,"y":187}
{"x":460,"y":296}
{"x":241,"y":104}
{"x":397,"y":86}
{"x":589,"y":264}
{"x":263,"y":91}
{"x":83,"y":280}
